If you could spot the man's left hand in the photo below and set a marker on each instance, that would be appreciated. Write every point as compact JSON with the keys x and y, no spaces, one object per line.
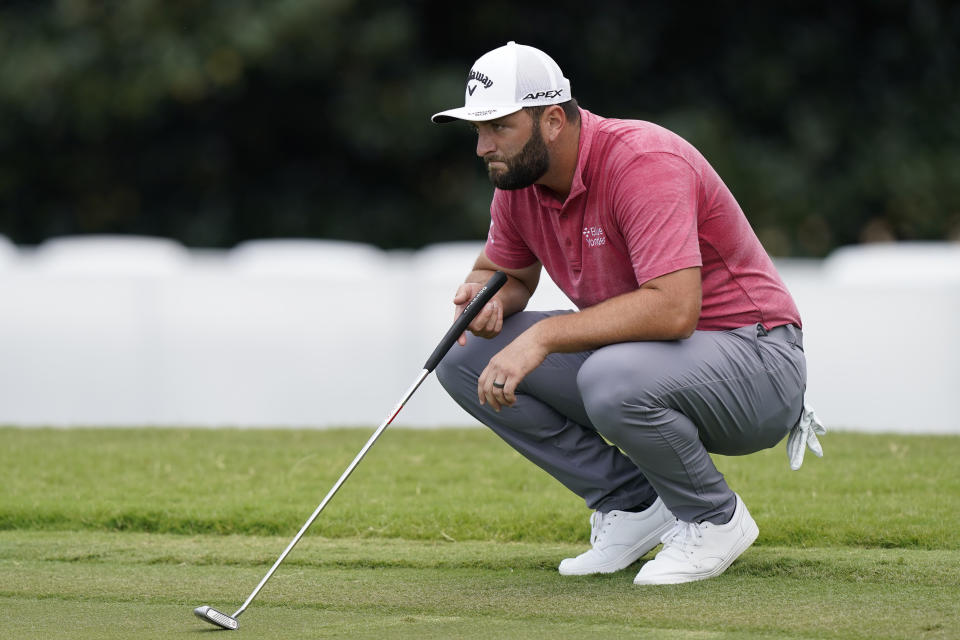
{"x":498,"y":383}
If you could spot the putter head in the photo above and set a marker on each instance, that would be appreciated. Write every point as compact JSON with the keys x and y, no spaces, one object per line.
{"x":213,"y":616}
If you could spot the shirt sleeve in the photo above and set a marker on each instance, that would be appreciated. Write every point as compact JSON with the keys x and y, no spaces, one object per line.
{"x":655,"y":207}
{"x":505,"y":245}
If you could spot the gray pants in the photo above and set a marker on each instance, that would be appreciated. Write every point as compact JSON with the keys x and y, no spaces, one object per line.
{"x":665,"y":406}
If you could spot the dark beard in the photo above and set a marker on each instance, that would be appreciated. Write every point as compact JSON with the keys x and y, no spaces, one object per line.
{"x":525,"y":168}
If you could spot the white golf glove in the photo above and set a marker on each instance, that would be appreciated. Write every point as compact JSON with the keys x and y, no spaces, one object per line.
{"x":804,"y":434}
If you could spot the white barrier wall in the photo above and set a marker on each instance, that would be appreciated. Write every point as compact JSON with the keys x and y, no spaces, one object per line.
{"x":141,"y":331}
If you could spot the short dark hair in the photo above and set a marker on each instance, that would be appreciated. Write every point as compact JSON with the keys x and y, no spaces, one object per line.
{"x":570,"y":109}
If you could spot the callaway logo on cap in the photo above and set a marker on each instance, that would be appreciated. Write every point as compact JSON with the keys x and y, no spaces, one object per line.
{"x":507,"y":79}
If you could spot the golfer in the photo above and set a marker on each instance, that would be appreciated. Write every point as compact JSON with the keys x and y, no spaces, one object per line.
{"x":686,"y":341}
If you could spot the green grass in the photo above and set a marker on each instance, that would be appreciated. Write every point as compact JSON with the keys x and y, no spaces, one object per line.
{"x":449,"y":534}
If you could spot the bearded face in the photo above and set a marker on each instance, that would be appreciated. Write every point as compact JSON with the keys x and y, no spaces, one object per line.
{"x":521,"y":169}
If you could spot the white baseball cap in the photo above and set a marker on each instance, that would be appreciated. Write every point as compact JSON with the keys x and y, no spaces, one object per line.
{"x":507,"y":79}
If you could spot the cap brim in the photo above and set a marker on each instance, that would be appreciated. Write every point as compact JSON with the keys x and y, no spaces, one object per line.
{"x":474,"y":114}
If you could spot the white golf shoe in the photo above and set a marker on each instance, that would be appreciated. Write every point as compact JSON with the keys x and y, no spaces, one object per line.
{"x":619,"y":538}
{"x":700,"y":551}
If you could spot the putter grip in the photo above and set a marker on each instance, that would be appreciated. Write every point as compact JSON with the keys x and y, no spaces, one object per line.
{"x":469,"y":313}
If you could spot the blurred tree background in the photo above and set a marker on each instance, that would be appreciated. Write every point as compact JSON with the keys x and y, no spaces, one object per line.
{"x":218,"y":121}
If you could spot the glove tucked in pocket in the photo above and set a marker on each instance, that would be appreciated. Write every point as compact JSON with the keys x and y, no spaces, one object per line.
{"x":804,"y":434}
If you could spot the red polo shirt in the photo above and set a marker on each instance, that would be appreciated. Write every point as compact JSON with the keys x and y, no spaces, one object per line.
{"x":643,"y":203}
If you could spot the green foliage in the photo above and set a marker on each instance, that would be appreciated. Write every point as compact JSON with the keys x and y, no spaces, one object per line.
{"x":216,"y":122}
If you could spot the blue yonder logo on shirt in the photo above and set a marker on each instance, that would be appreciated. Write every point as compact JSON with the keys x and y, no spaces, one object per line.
{"x":594,"y":236}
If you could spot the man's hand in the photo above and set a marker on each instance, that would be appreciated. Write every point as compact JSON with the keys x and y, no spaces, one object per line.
{"x":488,"y":322}
{"x":498,"y":383}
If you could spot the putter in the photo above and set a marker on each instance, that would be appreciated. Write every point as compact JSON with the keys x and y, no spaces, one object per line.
{"x":483,"y":296}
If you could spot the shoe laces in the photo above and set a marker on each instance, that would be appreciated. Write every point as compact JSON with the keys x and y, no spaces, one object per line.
{"x":683,"y":537}
{"x":599,"y":523}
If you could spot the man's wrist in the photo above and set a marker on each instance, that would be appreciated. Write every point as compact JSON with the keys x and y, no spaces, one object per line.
{"x":540,"y":334}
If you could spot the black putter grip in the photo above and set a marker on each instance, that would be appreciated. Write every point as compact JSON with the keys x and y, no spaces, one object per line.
{"x":469,"y":313}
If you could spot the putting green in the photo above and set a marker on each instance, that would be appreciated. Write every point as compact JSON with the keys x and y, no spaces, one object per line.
{"x":119,"y":585}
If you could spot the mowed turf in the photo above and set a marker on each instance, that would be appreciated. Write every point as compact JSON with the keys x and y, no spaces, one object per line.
{"x":449,"y":534}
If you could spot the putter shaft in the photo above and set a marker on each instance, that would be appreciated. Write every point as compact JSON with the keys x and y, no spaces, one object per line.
{"x":336,"y":487}
{"x":460,"y":325}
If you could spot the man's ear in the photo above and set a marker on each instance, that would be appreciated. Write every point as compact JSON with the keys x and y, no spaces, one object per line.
{"x":552,"y":122}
